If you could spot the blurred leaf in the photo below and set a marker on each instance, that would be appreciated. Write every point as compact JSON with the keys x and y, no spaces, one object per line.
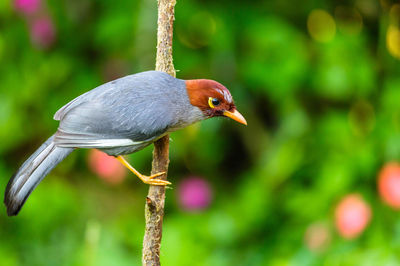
{"x":274,"y":57}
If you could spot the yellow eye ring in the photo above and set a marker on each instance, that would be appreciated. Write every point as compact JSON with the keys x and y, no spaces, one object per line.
{"x":210,"y":102}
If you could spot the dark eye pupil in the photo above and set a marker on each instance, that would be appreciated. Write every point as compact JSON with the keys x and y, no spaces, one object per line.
{"x":215,"y":101}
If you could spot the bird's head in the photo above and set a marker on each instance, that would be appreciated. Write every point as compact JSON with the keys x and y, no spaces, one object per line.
{"x":213,"y":99}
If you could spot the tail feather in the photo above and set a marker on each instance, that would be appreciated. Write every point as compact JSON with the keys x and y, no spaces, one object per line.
{"x":32,"y":171}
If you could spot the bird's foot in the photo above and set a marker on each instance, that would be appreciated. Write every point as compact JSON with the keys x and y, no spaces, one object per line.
{"x":146,"y":179}
{"x":151,"y":180}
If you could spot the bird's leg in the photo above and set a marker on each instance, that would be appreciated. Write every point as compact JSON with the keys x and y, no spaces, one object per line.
{"x":146,"y":179}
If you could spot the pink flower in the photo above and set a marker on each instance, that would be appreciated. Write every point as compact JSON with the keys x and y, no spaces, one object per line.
{"x":194,"y":194}
{"x":106,"y":167}
{"x":317,"y":237}
{"x":352,"y":216}
{"x":389,"y":184}
{"x":27,"y":7}
{"x":43,"y":33}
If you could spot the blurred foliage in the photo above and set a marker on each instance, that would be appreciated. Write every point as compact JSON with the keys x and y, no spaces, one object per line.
{"x":318,"y":82}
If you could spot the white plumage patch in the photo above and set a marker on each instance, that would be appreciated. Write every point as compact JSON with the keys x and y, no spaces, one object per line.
{"x":227,"y":95}
{"x":98,"y":143}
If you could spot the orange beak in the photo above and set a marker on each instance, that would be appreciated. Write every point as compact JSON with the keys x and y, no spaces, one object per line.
{"x":235,"y":116}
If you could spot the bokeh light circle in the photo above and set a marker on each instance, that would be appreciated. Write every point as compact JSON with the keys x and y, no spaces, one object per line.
{"x":321,"y":26}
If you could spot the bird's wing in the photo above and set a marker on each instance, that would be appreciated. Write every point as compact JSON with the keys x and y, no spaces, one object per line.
{"x":125,"y":112}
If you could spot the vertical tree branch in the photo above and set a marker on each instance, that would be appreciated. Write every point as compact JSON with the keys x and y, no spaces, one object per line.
{"x":154,"y":208}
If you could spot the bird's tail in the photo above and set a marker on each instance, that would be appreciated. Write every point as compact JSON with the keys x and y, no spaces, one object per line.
{"x":29,"y":175}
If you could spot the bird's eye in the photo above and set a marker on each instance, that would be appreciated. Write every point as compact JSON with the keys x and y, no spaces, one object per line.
{"x":215,"y":101}
{"x":212,"y":102}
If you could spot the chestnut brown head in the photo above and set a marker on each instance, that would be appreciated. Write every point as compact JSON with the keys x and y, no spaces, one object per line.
{"x":213,"y":99}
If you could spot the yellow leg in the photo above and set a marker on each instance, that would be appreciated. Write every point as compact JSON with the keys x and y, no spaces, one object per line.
{"x":146,"y":179}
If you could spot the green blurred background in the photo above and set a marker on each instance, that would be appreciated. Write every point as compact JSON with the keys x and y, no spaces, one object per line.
{"x":319,"y":84}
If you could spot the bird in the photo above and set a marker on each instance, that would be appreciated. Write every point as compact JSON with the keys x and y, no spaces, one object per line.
{"x":121,"y":117}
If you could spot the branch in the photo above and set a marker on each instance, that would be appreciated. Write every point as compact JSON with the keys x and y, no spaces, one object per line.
{"x":154,"y":208}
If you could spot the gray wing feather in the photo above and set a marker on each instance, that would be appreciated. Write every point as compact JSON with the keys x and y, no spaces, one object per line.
{"x":128,"y":111}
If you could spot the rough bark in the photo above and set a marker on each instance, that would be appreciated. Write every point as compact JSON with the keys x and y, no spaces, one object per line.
{"x":154,"y":207}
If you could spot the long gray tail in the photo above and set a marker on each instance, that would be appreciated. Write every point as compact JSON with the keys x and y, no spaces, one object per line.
{"x":29,"y":175}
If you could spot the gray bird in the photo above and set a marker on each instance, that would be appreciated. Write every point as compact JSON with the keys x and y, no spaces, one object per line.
{"x":122,"y":117}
